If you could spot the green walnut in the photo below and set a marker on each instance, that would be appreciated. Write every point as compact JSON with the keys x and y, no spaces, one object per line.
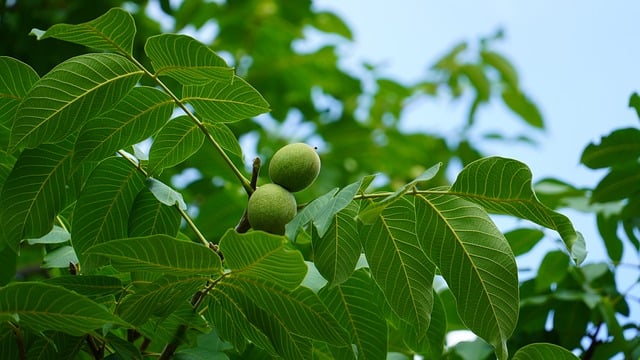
{"x":295,"y":166}
{"x":270,"y":208}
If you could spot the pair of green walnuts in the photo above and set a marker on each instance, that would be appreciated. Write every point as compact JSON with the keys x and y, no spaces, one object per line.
{"x":293,"y":168}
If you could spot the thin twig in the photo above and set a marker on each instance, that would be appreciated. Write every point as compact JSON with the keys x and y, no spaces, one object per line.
{"x":243,"y":225}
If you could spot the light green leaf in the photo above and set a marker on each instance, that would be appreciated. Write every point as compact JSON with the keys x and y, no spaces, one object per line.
{"x":523,"y":240}
{"x":225,"y":102}
{"x":543,"y":351}
{"x":308,"y":213}
{"x":478,"y":80}
{"x":221,"y":133}
{"x":186,"y":60}
{"x":520,"y":104}
{"x":55,"y":236}
{"x":102,"y":210}
{"x":399,"y":265}
{"x":258,"y":255}
{"x":353,"y":305}
{"x":371,"y":213}
{"x":336,"y":253}
{"x":554,"y":268}
{"x":159,"y":298}
{"x":159,"y":254}
{"x":89,"y":285}
{"x":476,"y":261}
{"x":113,"y":31}
{"x":150,"y":216}
{"x":60,"y":258}
{"x":507,"y":72}
{"x":503,"y":186}
{"x":140,"y":114}
{"x":166,"y":195}
{"x":16,"y":78}
{"x":175,"y":142}
{"x":69,"y":95}
{"x":41,"y":307}
{"x":34,"y":192}
{"x":331,"y":23}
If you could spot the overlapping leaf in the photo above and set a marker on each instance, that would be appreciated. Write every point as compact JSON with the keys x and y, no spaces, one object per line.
{"x":353,"y":303}
{"x":176,"y":142}
{"x":89,"y":285}
{"x":136,"y":117}
{"x":34,"y":192}
{"x":225,"y":102}
{"x":114,"y":31}
{"x":503,"y":186}
{"x":186,"y":60}
{"x":69,"y":95}
{"x":150,"y":216}
{"x":102,"y":210}
{"x":399,"y":265}
{"x":221,"y":133}
{"x":336,"y":253}
{"x":477,"y":262}
{"x":63,"y":310}
{"x":159,"y":254}
{"x":15,"y":81}
{"x":258,"y":255}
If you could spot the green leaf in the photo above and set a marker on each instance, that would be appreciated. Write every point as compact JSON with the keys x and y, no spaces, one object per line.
{"x":186,"y":60}
{"x":608,"y":229}
{"x":159,"y":298}
{"x":475,"y":260}
{"x":507,"y":72}
{"x":221,"y":133}
{"x":543,"y":351}
{"x":16,"y":80}
{"x":398,"y":264}
{"x":225,"y":102}
{"x":140,"y":114}
{"x":521,"y":105}
{"x":478,"y":80}
{"x":102,"y":210}
{"x":353,"y":305}
{"x":159,"y":254}
{"x":55,"y":345}
{"x":150,"y":216}
{"x":308,"y":213}
{"x":69,"y":95}
{"x":57,"y":235}
{"x":60,"y":258}
{"x":41,"y":307}
{"x":553,"y":269}
{"x":114,"y":31}
{"x":371,"y":213}
{"x":523,"y":240}
{"x":89,"y":285}
{"x":336,"y":253}
{"x":262,"y":256}
{"x":503,"y":186}
{"x":331,"y":23}
{"x":621,"y":146}
{"x":634,"y":102}
{"x":620,"y":183}
{"x":8,"y":265}
{"x":34,"y":192}
{"x":300,"y":310}
{"x":175,"y":143}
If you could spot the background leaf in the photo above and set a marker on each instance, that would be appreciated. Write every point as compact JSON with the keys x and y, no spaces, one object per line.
{"x":69,"y":95}
{"x":175,"y":143}
{"x":113,"y":31}
{"x":543,"y":351}
{"x":186,"y":60}
{"x":64,"y":310}
{"x":620,"y":146}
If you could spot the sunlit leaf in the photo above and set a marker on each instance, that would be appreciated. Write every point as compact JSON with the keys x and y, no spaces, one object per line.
{"x":475,"y":260}
{"x":63,"y":310}
{"x":69,"y":95}
{"x":543,"y":351}
{"x":225,"y":102}
{"x":187,"y":60}
{"x":177,"y":140}
{"x":113,"y":31}
{"x":503,"y":186}
{"x":221,"y":133}
{"x":399,"y":265}
{"x":102,"y":210}
{"x":136,"y":117}
{"x":34,"y":192}
{"x":159,"y":253}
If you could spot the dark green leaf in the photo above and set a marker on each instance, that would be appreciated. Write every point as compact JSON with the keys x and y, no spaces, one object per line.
{"x":175,"y":143}
{"x":543,"y":351}
{"x":523,"y":240}
{"x":42,"y":307}
{"x":552,"y":270}
{"x":620,"y":147}
{"x":521,"y":105}
{"x":137,"y":116}
{"x":225,"y":102}
{"x":34,"y":192}
{"x":634,"y":102}
{"x":16,"y":80}
{"x":8,"y":264}
{"x":113,"y":31}
{"x":570,"y":321}
{"x":69,"y":95}
{"x":503,"y":186}
{"x":186,"y":60}
{"x":618,"y":184}
{"x":608,"y":229}
{"x":477,"y":262}
{"x":160,"y":254}
{"x":89,"y":285}
{"x":150,"y":216}
{"x":102,"y":211}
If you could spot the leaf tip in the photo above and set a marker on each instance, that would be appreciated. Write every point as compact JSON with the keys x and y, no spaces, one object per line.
{"x":37,"y":33}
